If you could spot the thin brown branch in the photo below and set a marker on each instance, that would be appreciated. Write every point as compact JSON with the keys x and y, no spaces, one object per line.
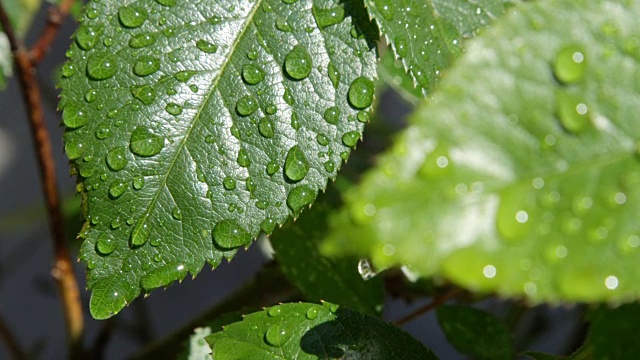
{"x":15,"y":350}
{"x":437,"y":301}
{"x":55,"y":18}
{"x":63,"y":269}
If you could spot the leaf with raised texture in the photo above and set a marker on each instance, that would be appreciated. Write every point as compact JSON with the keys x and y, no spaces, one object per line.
{"x":309,"y":331}
{"x":521,"y":176}
{"x":476,"y":333}
{"x":427,"y":35}
{"x":180,"y":117}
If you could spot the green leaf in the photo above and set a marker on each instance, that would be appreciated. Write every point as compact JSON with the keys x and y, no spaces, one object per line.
{"x":427,"y":35}
{"x":320,"y":277}
{"x":499,"y":185}
{"x":613,"y":332}
{"x":475,"y":332}
{"x":179,"y":119}
{"x":309,"y":331}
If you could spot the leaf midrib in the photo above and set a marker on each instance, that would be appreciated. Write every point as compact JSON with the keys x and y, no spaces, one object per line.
{"x":197,"y":118}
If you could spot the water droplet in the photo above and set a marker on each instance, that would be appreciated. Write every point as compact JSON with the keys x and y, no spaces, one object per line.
{"x":570,"y":65}
{"x":143,"y":40}
{"x":401,"y":46}
{"x":176,"y":213}
{"x":386,"y":9}
{"x":363,"y":116}
{"x":266,"y":128}
{"x":92,"y":13}
{"x":132,"y":17}
{"x":73,"y":149}
{"x":87,"y":37}
{"x":105,"y":244}
{"x":283,"y":25}
{"x":229,"y":183}
{"x":167,"y":2}
{"x":290,"y":1}
{"x":252,"y":74}
{"x":299,"y":197}
{"x":268,"y":225}
{"x":184,"y":75}
{"x":329,"y":166}
{"x":209,"y":139}
{"x":334,"y":75}
{"x":140,"y":234}
{"x":274,"y":311}
{"x":271,"y":109}
{"x":117,"y":158}
{"x":173,"y":109}
{"x":573,"y":113}
{"x":296,"y":165}
{"x":312,"y":313}
{"x":229,"y":235}
{"x":68,"y":70}
{"x":206,"y":46}
{"x":327,"y":17}
{"x":235,"y":131}
{"x":145,"y":93}
{"x":350,"y":139}
{"x":361,"y":93}
{"x":243,"y":158}
{"x":298,"y":63}
{"x":276,"y":336}
{"x":272,"y":168}
{"x":146,"y":65}
{"x":332,"y":115}
{"x":91,"y":96}
{"x":101,"y":66}
{"x":138,"y":182}
{"x":322,"y":139}
{"x":246,"y":105}
{"x":117,"y":188}
{"x":288,"y":97}
{"x":74,"y":116}
{"x":116,"y":223}
{"x":144,"y":143}
{"x":295,"y":124}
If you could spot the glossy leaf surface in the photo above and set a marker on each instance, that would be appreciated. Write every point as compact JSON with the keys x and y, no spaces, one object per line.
{"x":521,"y":176}
{"x":180,"y":117}
{"x":310,"y":331}
{"x":427,"y":35}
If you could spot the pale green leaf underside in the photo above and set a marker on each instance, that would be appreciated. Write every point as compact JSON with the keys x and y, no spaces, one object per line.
{"x":521,"y":176}
{"x":427,"y":35}
{"x":181,"y":117}
{"x":309,"y":331}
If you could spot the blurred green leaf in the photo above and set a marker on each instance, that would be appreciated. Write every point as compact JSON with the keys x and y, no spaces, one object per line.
{"x":521,"y":176}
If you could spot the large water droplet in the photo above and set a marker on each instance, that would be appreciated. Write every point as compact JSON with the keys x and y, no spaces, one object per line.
{"x":144,"y":93}
{"x":143,"y":40}
{"x":144,"y":143}
{"x":350,"y":138}
{"x":140,"y":234}
{"x":73,"y":149}
{"x":146,"y":65}
{"x":229,"y":235}
{"x":132,"y":17}
{"x":87,"y":37}
{"x":105,"y":244}
{"x":299,"y":197}
{"x":327,"y":17}
{"x":246,"y":105}
{"x":206,"y":46}
{"x":361,"y":93}
{"x":570,"y":64}
{"x":117,"y":158}
{"x":243,"y":158}
{"x":101,"y":66}
{"x":266,"y":128}
{"x":296,"y":165}
{"x":252,"y":74}
{"x":74,"y":115}
{"x":298,"y":63}
{"x":276,"y":336}
{"x":332,"y":115}
{"x":117,"y":188}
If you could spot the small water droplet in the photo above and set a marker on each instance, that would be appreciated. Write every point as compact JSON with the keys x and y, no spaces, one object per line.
{"x":243,"y":158}
{"x":573,"y":113}
{"x":138,"y":182}
{"x":146,"y":65}
{"x":322,"y":139}
{"x":266,"y":128}
{"x":361,"y":93}
{"x":116,"y":158}
{"x":274,"y":311}
{"x":288,"y":97}
{"x":117,"y":188}
{"x":246,"y":105}
{"x":145,"y":143}
{"x":312,"y":313}
{"x":145,"y":93}
{"x":327,"y":17}
{"x":570,"y":64}
{"x":329,"y":166}
{"x":206,"y":46}
{"x":229,"y":183}
{"x":143,"y":40}
{"x":334,"y":75}
{"x":132,"y":17}
{"x":252,"y":74}
{"x":74,"y":116}
{"x":298,"y":63}
{"x":229,"y":235}
{"x":173,"y":109}
{"x":68,"y":70}
{"x":332,"y":115}
{"x":299,"y":197}
{"x":350,"y":138}
{"x":101,"y":66}
{"x":176,"y":213}
{"x":139,"y":234}
{"x":87,"y":37}
{"x":105,"y":244}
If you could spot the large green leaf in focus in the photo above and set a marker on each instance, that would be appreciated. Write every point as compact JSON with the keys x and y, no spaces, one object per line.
{"x":522,"y":175}
{"x":427,"y":35}
{"x":194,"y":125}
{"x":309,"y":331}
